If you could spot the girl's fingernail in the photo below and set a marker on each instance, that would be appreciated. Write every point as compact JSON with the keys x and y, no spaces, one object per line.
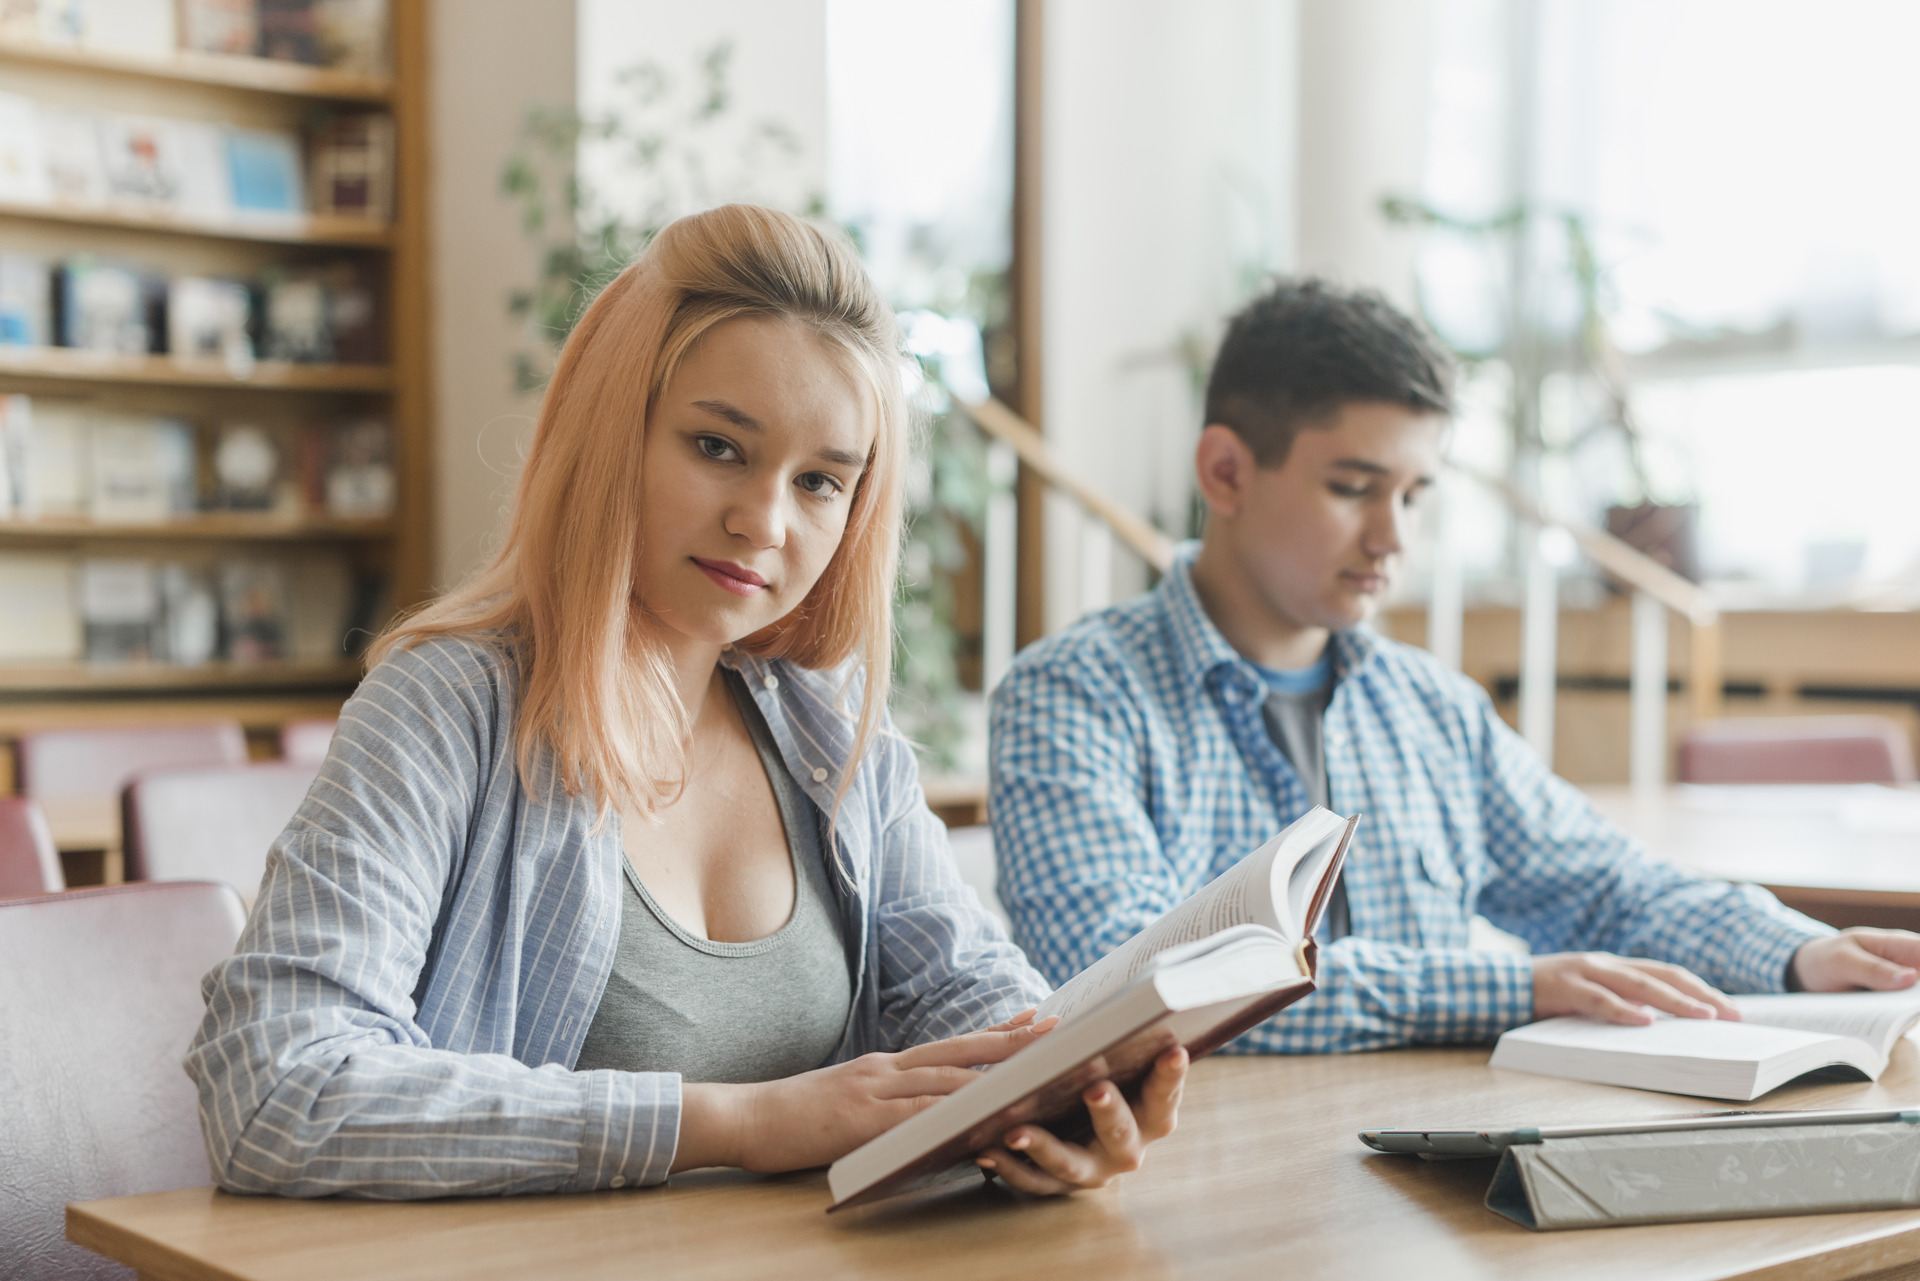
{"x":1103,"y":1095}
{"x":986,"y":1163}
{"x":1021,"y":1142}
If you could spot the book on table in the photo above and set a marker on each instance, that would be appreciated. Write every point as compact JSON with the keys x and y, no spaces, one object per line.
{"x":1231,"y":956}
{"x":1776,"y":1039}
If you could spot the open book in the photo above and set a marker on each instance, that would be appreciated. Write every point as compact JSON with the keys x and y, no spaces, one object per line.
{"x":1779,"y":1038}
{"x":1233,"y":955}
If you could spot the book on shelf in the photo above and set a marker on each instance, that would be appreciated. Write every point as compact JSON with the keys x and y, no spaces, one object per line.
{"x":107,"y":306}
{"x":263,"y":171}
{"x":246,"y":469}
{"x":319,"y":606}
{"x":294,"y":323}
{"x":140,"y":28}
{"x":70,"y":146}
{"x":189,"y":616}
{"x":230,"y":27}
{"x":143,"y":470}
{"x":350,"y":165}
{"x":177,"y":165}
{"x":119,"y":609}
{"x":1233,"y":955}
{"x":209,"y":318}
{"x":23,"y":164}
{"x":56,"y":449}
{"x":16,"y":426}
{"x":360,"y":480}
{"x":26,"y":301}
{"x":41,"y":621}
{"x":253,"y":610}
{"x":1777,"y":1038}
{"x":352,"y":292}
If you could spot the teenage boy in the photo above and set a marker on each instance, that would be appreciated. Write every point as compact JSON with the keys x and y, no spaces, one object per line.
{"x":1141,"y":752}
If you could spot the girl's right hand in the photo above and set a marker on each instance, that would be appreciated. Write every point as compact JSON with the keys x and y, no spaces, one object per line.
{"x":817,"y":1117}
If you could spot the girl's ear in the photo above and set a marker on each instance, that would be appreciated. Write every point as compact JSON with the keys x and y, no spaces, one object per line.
{"x":1223,"y":465}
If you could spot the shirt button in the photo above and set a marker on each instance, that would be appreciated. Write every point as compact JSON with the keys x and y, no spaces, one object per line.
{"x":617,"y":1181}
{"x":819,"y":775}
{"x":771,"y":682}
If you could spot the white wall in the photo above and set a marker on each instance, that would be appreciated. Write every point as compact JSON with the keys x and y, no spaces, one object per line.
{"x":1364,"y":76}
{"x":1168,"y":156}
{"x":489,"y":61}
{"x":778,"y":72}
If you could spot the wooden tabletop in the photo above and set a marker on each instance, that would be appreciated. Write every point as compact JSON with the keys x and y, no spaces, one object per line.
{"x":1265,"y":1178}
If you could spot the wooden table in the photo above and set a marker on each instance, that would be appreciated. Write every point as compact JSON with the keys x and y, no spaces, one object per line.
{"x":1788,"y":839}
{"x":1265,"y":1178}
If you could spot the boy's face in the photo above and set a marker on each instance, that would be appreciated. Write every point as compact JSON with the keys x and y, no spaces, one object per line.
{"x":1318,"y":539}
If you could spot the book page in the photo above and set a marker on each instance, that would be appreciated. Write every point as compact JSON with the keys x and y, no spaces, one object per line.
{"x":1245,"y":894}
{"x":1878,"y":1018}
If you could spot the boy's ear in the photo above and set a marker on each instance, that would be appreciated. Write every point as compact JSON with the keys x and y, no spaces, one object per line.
{"x":1223,"y":465}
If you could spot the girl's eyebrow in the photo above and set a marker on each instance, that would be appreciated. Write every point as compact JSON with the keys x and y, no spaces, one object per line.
{"x":747,"y":422}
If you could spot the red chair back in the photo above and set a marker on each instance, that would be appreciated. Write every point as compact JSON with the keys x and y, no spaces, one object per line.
{"x":99,"y":998}
{"x":29,"y":864}
{"x":1797,"y":749}
{"x":306,"y":742}
{"x":75,"y":764}
{"x":210,"y":824}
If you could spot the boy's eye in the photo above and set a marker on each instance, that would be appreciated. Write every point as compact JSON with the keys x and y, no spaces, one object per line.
{"x":715,"y":447}
{"x":1347,"y":491}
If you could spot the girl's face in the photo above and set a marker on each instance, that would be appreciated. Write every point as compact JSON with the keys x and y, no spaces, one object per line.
{"x":747,"y":477}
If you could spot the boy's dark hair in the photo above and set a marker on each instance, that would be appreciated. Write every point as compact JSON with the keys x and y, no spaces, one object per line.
{"x":1293,"y":356}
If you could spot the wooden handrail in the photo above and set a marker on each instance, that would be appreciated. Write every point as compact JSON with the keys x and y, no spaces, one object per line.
{"x":1619,"y":558}
{"x":1002,"y":423}
{"x":1643,"y":573}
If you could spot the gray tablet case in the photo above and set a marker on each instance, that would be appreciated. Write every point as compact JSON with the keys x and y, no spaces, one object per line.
{"x":1606,"y":1180}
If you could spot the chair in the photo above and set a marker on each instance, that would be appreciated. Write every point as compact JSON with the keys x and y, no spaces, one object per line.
{"x":306,"y":742}
{"x":99,"y":998}
{"x":29,"y":864}
{"x":973,"y":855}
{"x":89,"y":764}
{"x":210,"y":824}
{"x":1797,"y":749}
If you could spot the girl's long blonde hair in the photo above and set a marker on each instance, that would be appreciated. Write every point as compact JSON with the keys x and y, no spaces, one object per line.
{"x":594,"y":687}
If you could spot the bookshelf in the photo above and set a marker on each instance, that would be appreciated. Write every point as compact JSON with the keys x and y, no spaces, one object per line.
{"x":246,"y":93}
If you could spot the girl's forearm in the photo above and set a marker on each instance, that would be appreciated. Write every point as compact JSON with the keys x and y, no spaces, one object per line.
{"x":712,"y":1125}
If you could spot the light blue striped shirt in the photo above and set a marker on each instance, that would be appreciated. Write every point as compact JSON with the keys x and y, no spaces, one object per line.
{"x":1131,"y":765}
{"x":401,"y":1016}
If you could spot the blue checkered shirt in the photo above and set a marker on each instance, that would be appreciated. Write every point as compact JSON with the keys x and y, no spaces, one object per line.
{"x":1131,"y":766}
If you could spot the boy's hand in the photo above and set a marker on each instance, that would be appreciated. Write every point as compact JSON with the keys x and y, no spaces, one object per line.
{"x":1618,"y":989}
{"x":1877,"y":960}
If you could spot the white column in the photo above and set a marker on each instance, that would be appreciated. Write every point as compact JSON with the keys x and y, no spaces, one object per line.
{"x":1446,"y":606}
{"x":1539,"y":626}
{"x":1096,"y":564}
{"x":1647,"y":755}
{"x":1000,"y":574}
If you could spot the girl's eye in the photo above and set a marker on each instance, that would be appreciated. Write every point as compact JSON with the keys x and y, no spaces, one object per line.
{"x":819,"y":484}
{"x":716,"y":448}
{"x":1348,"y":491}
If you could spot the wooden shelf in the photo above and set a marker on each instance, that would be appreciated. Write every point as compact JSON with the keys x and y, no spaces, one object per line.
{"x":256,"y":75}
{"x":237,"y":526}
{"x":67,"y":364}
{"x":89,"y":678}
{"x":278,"y":229}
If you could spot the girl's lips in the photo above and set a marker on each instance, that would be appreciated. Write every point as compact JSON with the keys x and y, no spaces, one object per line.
{"x":1368,"y":582}
{"x":737,"y":579}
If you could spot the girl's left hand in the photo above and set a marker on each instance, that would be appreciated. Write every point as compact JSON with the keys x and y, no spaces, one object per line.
{"x":1034,"y":1160}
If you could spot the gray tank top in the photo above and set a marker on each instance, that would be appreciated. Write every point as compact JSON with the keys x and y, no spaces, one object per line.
{"x":753,"y":1011}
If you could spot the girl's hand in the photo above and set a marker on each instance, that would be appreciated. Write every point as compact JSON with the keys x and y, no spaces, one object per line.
{"x":817,"y":1117}
{"x":1034,"y":1160}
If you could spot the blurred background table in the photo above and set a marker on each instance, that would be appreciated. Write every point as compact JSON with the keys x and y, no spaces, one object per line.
{"x":1848,"y":855}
